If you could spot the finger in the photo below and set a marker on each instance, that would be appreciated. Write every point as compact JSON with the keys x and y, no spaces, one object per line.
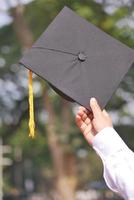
{"x":86,"y":130}
{"x":83,"y":109}
{"x":87,"y":121}
{"x":88,"y":135}
{"x":87,"y":118}
{"x":95,"y":107}
{"x":78,"y":120}
{"x":83,"y":115}
{"x":82,"y":126}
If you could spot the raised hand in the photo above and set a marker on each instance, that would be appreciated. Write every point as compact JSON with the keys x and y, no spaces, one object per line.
{"x":90,"y":123}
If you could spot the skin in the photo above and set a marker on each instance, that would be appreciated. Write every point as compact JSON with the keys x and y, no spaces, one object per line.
{"x":91,"y":123}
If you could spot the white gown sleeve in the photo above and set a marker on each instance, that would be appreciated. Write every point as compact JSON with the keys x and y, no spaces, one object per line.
{"x":118,"y":162}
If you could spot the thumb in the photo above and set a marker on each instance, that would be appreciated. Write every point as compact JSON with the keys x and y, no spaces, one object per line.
{"x":95,"y":107}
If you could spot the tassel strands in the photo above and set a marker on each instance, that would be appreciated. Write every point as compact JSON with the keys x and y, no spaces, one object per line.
{"x":31,"y":107}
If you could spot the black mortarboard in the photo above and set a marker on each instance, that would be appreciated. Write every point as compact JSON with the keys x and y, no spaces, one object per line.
{"x":78,"y":59}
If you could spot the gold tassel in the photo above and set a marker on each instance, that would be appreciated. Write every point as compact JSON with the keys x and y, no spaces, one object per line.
{"x":31,"y":107}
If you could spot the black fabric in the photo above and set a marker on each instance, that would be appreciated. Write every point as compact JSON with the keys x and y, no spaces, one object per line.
{"x":78,"y":59}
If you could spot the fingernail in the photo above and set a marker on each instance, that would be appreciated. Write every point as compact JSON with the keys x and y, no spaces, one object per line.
{"x":80,"y":107}
{"x":93,"y":100}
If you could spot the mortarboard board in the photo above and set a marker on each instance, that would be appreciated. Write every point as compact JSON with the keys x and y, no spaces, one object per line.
{"x":79,"y":60}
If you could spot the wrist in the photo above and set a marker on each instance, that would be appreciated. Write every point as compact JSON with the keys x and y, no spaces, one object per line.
{"x":103,"y":127}
{"x":107,"y":142}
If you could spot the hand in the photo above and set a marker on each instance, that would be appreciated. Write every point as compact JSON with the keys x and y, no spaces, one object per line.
{"x":90,"y":123}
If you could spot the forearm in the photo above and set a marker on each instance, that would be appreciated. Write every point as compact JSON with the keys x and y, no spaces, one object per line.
{"x":118,"y":161}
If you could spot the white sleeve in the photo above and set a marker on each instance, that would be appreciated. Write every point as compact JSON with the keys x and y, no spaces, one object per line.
{"x":118,"y":162}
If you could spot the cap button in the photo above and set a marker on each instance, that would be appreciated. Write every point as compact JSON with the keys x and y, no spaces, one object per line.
{"x":82,"y":57}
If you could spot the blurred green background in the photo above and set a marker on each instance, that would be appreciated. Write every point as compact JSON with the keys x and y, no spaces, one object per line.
{"x":58,"y":163}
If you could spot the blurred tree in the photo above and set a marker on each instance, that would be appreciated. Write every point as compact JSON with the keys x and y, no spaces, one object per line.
{"x":64,"y":187}
{"x":69,"y":152}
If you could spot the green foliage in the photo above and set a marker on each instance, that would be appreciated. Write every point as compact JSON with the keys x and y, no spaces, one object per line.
{"x":35,"y":149}
{"x":39,"y":14}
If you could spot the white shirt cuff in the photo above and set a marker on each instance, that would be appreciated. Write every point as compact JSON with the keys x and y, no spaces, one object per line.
{"x":108,"y":142}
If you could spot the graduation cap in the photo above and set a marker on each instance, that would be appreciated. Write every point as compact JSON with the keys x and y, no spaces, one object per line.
{"x":79,"y":60}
